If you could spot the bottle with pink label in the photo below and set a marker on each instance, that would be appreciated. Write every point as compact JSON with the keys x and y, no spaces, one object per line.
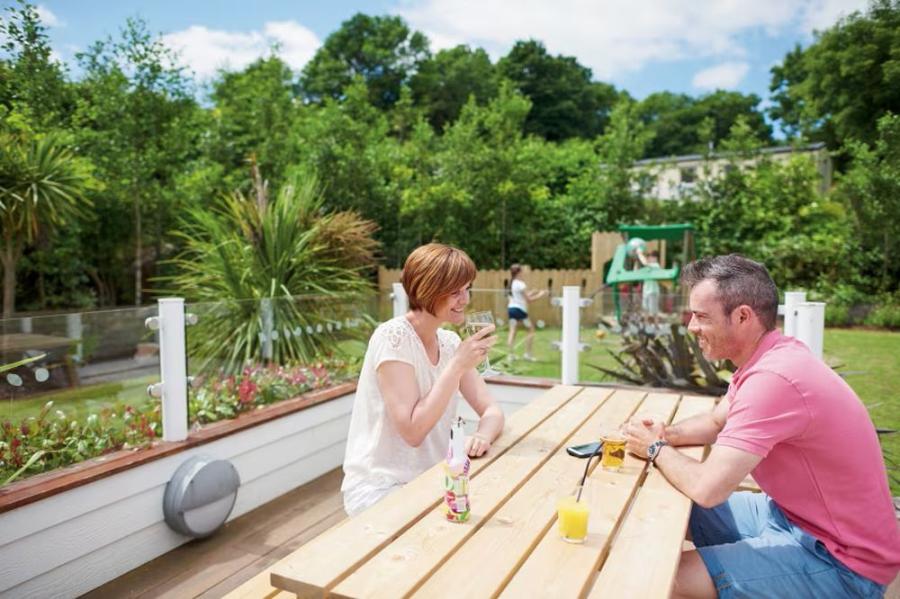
{"x":456,"y":476}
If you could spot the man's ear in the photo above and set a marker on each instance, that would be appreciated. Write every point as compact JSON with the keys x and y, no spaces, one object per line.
{"x":744,"y":313}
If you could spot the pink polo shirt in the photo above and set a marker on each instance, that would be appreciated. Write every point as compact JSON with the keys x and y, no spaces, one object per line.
{"x":822,"y":463}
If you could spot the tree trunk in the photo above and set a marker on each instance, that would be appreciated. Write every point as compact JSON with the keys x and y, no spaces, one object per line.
{"x":138,"y":251}
{"x":9,"y":256}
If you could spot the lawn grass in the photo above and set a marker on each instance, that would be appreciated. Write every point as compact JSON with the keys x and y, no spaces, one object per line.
{"x":81,"y":401}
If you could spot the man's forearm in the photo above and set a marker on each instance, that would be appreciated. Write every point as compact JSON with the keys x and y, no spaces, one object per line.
{"x":701,"y":429}
{"x":683,"y":472}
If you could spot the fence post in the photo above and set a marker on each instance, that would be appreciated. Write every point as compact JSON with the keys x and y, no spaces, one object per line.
{"x":571,"y":316}
{"x":400,"y":299}
{"x":268,"y":328}
{"x":74,"y":331}
{"x":173,"y":369}
{"x":791,"y":300}
{"x":811,"y":325}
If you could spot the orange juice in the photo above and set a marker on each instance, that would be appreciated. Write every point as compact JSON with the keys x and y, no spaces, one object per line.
{"x":573,"y":519}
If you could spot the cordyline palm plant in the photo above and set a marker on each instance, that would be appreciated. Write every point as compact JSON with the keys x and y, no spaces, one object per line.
{"x":673,"y":361}
{"x":284,"y":266}
{"x":42,"y":184}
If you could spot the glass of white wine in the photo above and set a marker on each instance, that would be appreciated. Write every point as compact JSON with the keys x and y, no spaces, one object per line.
{"x":475,"y":321}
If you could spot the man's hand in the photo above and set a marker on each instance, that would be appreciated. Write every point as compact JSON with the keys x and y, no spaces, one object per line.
{"x":477,"y":445}
{"x":641,"y":432}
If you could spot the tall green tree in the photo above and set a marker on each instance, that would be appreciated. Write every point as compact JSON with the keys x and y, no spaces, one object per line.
{"x":41,"y":186}
{"x":444,"y":83}
{"x":136,"y":120}
{"x":33,"y":89}
{"x":838,"y":87}
{"x":681,"y":124}
{"x":565,"y":102}
{"x":381,"y":50}
{"x":254,"y":114}
{"x":871,"y":189}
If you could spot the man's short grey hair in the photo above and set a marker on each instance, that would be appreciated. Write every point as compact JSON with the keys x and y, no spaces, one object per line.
{"x":739,"y":281}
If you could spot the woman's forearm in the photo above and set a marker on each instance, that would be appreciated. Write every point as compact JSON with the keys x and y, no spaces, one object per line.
{"x":490,"y":425}
{"x":429,"y":409}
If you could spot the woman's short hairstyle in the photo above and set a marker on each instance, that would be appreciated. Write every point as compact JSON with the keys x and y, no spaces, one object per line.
{"x":434,"y":271}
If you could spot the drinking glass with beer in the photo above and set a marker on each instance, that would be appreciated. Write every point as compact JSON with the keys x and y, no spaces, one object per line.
{"x":613,"y":450}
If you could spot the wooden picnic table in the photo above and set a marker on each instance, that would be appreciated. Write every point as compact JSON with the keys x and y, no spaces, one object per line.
{"x":510,"y":547}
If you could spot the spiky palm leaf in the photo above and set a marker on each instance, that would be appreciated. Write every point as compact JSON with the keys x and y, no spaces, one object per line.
{"x":284,"y":266}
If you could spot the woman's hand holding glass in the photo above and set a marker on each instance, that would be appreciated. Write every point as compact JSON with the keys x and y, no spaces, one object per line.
{"x":474,"y":349}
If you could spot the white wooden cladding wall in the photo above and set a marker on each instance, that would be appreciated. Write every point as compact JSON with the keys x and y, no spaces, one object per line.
{"x":75,"y":541}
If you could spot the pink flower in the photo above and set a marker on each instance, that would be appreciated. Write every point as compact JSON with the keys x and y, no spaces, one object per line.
{"x":247,"y":391}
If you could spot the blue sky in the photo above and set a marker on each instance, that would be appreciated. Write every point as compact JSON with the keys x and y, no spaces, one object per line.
{"x":690,"y":46}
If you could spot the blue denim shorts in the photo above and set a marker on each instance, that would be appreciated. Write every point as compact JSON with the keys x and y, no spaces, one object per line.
{"x":751,"y":550}
{"x":516,"y":314}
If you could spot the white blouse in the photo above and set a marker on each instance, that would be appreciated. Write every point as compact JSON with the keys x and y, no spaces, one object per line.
{"x":378,"y":460}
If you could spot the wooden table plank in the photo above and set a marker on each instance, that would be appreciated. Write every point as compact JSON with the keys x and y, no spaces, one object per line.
{"x":506,"y":541}
{"x":646,"y":551}
{"x":320,"y":564}
{"x":541,"y":574}
{"x":404,"y":564}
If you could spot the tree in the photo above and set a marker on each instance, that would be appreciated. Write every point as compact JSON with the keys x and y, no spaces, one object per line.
{"x":135,"y":119}
{"x":871,"y":189}
{"x":41,"y":186}
{"x":254,"y":115}
{"x":445,"y":82}
{"x":345,"y":144}
{"x":565,"y":103}
{"x":254,"y":260}
{"x":381,"y":50}
{"x":838,"y":87}
{"x":682,"y":125}
{"x":32,"y":85}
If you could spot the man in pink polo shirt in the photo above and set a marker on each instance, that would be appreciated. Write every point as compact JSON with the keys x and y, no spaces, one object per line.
{"x":824,"y":525}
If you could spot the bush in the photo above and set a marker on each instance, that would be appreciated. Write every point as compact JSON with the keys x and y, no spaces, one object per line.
{"x":885,"y":316}
{"x":837,"y":315}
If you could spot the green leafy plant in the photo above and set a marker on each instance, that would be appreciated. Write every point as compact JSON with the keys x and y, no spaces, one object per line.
{"x":54,"y":440}
{"x":284,"y":269}
{"x":672,"y":360}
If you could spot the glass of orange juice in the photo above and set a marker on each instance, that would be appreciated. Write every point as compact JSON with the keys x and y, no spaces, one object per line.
{"x":572,"y":514}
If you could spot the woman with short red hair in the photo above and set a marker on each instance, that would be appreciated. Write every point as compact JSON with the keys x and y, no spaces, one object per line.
{"x":411,"y":379}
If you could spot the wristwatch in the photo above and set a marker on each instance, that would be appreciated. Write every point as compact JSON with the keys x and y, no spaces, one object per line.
{"x":653,"y":450}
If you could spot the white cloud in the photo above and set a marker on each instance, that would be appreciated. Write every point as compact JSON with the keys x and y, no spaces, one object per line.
{"x":204,"y":51}
{"x":722,"y":76}
{"x":820,"y":14}
{"x":48,"y":19}
{"x":614,"y":37}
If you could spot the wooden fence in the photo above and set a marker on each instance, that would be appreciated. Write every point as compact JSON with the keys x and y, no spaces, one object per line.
{"x":490,"y":290}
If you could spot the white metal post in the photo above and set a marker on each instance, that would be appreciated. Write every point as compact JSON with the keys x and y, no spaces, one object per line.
{"x":74,"y":331}
{"x":173,"y":369}
{"x":811,"y":325}
{"x":25,"y":324}
{"x":791,"y":300}
{"x":400,"y":299}
{"x":268,"y":327}
{"x":571,"y":316}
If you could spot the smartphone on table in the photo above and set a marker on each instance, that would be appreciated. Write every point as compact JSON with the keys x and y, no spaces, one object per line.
{"x":584,"y":451}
